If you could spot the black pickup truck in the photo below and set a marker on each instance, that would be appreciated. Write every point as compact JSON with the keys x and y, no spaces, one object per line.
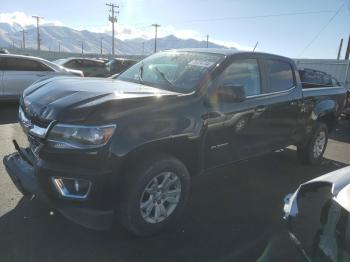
{"x":128,"y":148}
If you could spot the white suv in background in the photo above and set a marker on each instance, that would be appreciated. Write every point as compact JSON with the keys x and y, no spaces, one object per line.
{"x":17,"y":72}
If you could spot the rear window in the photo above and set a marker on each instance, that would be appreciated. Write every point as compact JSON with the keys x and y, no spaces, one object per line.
{"x":20,"y":64}
{"x":280,"y":75}
{"x":90,"y":63}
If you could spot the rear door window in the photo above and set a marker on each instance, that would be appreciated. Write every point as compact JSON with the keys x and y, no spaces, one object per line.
{"x":279,"y":74}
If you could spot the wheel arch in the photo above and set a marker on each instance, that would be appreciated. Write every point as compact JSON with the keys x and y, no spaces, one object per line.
{"x":326,"y":112}
{"x":184,"y":149}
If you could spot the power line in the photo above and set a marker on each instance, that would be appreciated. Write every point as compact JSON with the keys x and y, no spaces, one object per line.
{"x":155,"y":36}
{"x":113,"y":19}
{"x":322,"y":29}
{"x":142,"y":25}
{"x":258,"y":16}
{"x":38,"y":30}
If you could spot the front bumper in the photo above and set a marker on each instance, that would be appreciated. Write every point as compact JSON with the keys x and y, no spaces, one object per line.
{"x":34,"y":179}
{"x":21,"y":174}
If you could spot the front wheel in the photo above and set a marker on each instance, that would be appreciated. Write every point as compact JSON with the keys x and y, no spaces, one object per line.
{"x":155,"y":195}
{"x":312,"y":151}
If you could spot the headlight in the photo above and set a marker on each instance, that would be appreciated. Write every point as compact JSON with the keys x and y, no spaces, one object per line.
{"x":74,"y":136}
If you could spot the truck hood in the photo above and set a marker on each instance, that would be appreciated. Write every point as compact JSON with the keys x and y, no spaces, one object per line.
{"x":88,"y":100}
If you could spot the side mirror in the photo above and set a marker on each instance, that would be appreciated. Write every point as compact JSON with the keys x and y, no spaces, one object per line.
{"x":231,"y":93}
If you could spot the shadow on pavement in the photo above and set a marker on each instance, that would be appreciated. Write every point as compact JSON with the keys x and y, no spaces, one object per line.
{"x":8,"y":112}
{"x":234,"y":214}
{"x":341,"y":132}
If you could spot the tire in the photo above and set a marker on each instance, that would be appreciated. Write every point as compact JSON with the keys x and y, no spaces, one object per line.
{"x":142,"y":186}
{"x":306,"y":151}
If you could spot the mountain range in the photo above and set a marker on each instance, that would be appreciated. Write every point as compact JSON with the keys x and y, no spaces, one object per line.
{"x":71,"y":40}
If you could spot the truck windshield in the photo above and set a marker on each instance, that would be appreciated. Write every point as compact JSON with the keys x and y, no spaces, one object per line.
{"x":175,"y":71}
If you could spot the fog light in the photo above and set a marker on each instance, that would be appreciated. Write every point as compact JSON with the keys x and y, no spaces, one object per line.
{"x":72,"y":188}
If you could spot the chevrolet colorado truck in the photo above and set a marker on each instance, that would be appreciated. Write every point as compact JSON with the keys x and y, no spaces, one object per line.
{"x":127,"y":148}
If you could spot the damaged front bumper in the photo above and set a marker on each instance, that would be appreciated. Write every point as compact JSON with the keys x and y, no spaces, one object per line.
{"x":33,"y":179}
{"x":21,"y":174}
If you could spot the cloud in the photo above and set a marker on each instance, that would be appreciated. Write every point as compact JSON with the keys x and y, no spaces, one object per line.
{"x":123,"y":31}
{"x":232,"y":44}
{"x":20,"y":18}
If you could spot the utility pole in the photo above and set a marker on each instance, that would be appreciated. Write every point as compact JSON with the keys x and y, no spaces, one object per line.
{"x":37,"y":28}
{"x":143,"y":48}
{"x":24,"y":38}
{"x":101,"y":45}
{"x":13,"y":43}
{"x":339,"y":50}
{"x":82,"y":47}
{"x":113,"y":19}
{"x":207,"y":41}
{"x":59,"y":47}
{"x":347,"y":50}
{"x":155,"y":37}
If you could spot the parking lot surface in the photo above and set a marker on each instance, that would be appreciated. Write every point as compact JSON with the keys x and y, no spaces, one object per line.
{"x":234,"y":213}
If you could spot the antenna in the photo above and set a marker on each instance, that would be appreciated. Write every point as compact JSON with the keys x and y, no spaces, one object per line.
{"x":255,"y":46}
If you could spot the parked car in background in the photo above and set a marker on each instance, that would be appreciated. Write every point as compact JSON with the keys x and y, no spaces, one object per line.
{"x":4,"y":51}
{"x":346,"y":111}
{"x":118,"y":65}
{"x":311,"y":78}
{"x":129,"y":147}
{"x":317,"y":216}
{"x":17,"y":72}
{"x":90,"y":67}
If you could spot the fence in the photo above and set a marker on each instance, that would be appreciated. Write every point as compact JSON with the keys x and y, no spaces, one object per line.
{"x":53,"y":55}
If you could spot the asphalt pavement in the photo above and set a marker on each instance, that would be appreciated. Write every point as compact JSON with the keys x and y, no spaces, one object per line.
{"x":234,"y":213}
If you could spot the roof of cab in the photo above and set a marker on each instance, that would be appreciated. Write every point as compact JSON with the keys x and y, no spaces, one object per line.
{"x":226,"y":52}
{"x":221,"y":51}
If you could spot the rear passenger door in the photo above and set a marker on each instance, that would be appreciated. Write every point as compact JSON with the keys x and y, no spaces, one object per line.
{"x":284,"y":100}
{"x":19,"y":73}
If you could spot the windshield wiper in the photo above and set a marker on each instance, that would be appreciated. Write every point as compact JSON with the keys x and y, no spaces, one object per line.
{"x":164,"y":77}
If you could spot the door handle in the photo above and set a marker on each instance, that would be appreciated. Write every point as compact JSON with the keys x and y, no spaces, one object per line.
{"x":296,"y":103}
{"x":40,"y":75}
{"x":260,"y":109}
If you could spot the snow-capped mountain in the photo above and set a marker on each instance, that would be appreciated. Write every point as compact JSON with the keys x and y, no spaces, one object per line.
{"x":71,"y":40}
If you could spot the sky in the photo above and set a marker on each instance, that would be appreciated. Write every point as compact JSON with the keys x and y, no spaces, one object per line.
{"x":298,"y":28}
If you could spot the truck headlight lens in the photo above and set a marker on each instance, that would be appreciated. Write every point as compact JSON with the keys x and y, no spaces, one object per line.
{"x":74,"y":136}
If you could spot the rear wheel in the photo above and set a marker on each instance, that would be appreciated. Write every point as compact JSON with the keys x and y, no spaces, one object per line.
{"x":311,"y":152}
{"x":155,"y":195}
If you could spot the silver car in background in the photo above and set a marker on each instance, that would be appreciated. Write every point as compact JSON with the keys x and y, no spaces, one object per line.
{"x":17,"y":72}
